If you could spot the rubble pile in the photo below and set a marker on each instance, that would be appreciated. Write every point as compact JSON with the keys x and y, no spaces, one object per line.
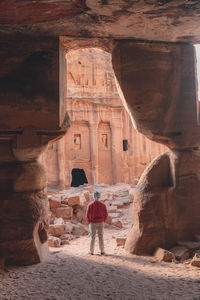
{"x":68,"y":209}
{"x":187,"y":252}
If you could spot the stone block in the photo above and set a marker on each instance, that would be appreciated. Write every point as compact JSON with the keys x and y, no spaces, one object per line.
{"x":54,"y":203}
{"x":120,"y":241}
{"x":86,"y":194}
{"x":74,"y":200}
{"x":181,"y":253}
{"x":164,"y":255}
{"x":80,"y":214}
{"x":64,"y":212}
{"x":56,"y":230}
{"x":54,"y":242}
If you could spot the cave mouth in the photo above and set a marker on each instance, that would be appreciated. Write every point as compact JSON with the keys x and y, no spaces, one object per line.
{"x":78,"y":177}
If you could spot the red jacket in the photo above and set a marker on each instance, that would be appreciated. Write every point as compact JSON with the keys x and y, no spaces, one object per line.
{"x":96,"y":212}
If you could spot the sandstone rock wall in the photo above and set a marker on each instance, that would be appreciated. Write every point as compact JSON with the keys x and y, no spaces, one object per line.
{"x":101,"y":139}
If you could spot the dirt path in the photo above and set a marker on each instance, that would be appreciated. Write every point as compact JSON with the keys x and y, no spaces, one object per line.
{"x":71,"y":273}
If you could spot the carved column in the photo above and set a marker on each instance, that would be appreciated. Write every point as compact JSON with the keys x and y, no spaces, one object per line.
{"x":29,"y":118}
{"x":116,"y":144}
{"x":93,"y":127}
{"x":61,"y":163}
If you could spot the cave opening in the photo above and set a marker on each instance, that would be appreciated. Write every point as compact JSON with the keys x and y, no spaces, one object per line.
{"x":78,"y":177}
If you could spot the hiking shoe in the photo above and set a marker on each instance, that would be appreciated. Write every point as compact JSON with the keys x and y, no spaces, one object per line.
{"x":91,"y":253}
{"x":102,"y":253}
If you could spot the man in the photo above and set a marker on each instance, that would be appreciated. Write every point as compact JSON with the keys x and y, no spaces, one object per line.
{"x":96,"y":215}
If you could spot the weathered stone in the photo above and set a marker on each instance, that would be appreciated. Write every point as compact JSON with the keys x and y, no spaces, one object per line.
{"x":59,"y":221}
{"x":66,"y":238}
{"x":69,"y":227}
{"x":162,"y":192}
{"x":79,"y":229}
{"x":114,"y":215}
{"x":164,"y":255}
{"x":54,"y":242}
{"x":112,"y":209}
{"x":64,"y":212}
{"x":120,"y":241}
{"x":74,"y":200}
{"x":181,"y":253}
{"x":57,"y":230}
{"x":54,"y":203}
{"x":196,"y":260}
{"x":80,"y":214}
{"x":118,"y":224}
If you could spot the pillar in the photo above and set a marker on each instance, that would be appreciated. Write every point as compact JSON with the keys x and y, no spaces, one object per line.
{"x":158,"y":81}
{"x":93,"y":127}
{"x":30,"y":118}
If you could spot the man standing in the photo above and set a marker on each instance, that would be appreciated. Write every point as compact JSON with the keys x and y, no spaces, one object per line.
{"x":96,"y":215}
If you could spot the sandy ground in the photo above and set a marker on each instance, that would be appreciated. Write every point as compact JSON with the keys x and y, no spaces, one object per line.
{"x":71,"y":273}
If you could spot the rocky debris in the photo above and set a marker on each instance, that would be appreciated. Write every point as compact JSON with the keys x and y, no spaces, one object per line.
{"x":65,"y":212}
{"x":79,"y":229}
{"x":120,"y":241}
{"x":164,"y":255}
{"x":181,"y":253}
{"x":68,"y":227}
{"x":54,"y":203}
{"x":68,"y":210}
{"x":56,"y":230}
{"x":54,"y":241}
{"x":196,"y":260}
{"x":118,"y":224}
{"x":66,"y":238}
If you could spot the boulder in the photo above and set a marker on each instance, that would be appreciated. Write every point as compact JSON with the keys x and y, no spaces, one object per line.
{"x":68,"y":227}
{"x":54,"y":241}
{"x":120,"y":241}
{"x":181,"y":253}
{"x":79,"y":229}
{"x":64,"y":212}
{"x":164,"y":255}
{"x":56,"y":230}
{"x":196,"y":260}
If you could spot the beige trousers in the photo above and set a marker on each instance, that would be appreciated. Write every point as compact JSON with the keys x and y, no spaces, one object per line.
{"x":93,"y":228}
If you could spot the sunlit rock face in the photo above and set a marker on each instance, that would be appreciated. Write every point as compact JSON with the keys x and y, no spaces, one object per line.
{"x":159,"y":84}
{"x":101,"y":139}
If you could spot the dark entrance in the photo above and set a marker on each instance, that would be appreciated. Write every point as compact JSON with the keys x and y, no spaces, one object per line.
{"x":78,"y":177}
